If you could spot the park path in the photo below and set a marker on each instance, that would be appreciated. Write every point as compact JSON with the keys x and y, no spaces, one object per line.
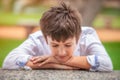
{"x":17,"y":32}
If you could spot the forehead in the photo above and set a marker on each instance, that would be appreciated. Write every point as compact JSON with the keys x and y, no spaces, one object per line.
{"x":49,"y":39}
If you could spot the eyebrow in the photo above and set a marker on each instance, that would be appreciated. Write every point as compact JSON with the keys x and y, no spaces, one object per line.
{"x":65,"y":43}
{"x":53,"y":43}
{"x":68,"y":42}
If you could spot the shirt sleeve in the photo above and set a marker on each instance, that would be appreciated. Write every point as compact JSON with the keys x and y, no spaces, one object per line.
{"x":97,"y":56}
{"x":18,"y":57}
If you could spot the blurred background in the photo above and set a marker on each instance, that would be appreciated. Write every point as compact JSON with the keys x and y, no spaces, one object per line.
{"x":19,"y":18}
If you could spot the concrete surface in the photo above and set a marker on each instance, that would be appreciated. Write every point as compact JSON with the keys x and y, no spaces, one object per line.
{"x":57,"y":75}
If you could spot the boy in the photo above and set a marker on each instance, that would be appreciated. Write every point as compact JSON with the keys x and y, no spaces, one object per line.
{"x":62,"y":44}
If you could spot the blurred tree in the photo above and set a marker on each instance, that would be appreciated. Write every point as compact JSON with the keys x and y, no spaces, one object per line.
{"x":6,"y":5}
{"x":88,"y":8}
{"x":19,"y":4}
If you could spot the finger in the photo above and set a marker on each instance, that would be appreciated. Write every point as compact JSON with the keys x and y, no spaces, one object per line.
{"x":37,"y":60}
{"x":49,"y":60}
{"x":40,"y":59}
{"x":34,"y":58}
{"x":45,"y":62}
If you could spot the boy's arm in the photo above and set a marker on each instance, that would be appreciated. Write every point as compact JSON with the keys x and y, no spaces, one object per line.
{"x":41,"y":62}
{"x":49,"y":66}
{"x":18,"y":57}
{"x":79,"y":61}
{"x":95,"y":52}
{"x":58,"y":66}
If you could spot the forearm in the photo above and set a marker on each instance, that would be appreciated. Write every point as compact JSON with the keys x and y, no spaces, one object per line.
{"x":57,"y":66}
{"x":79,"y":61}
{"x":49,"y":66}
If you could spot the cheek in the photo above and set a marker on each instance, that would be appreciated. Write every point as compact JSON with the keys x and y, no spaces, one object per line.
{"x":53,"y":51}
{"x":71,"y":50}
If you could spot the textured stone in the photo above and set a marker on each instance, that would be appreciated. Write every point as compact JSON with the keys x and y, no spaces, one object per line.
{"x":57,"y":75}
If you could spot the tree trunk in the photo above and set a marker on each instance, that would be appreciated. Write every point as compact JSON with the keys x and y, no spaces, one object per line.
{"x":88,"y":9}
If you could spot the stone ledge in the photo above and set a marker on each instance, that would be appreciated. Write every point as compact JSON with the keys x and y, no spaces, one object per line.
{"x":57,"y":75}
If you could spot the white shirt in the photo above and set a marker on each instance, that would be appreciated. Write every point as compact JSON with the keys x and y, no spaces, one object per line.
{"x":88,"y":45}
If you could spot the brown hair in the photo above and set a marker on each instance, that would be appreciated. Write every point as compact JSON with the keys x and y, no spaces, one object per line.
{"x":61,"y":22}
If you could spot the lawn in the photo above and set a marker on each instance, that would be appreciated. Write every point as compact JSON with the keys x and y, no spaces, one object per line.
{"x":108,"y":14}
{"x":113,"y":48}
{"x":12,"y":18}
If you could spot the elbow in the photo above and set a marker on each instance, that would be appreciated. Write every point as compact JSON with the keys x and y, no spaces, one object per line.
{"x":109,"y":66}
{"x":7,"y":64}
{"x":106,"y":66}
{"x":101,"y":64}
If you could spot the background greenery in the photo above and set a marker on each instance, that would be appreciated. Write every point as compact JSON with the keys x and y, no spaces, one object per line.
{"x":113,"y":14}
{"x":113,"y":48}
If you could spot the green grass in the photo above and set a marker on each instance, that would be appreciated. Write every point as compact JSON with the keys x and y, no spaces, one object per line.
{"x":112,"y":14}
{"x":13,"y":19}
{"x":113,"y":48}
{"x":99,"y":22}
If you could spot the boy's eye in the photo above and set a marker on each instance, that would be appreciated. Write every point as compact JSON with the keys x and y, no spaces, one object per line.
{"x":68,"y":45}
{"x":54,"y":45}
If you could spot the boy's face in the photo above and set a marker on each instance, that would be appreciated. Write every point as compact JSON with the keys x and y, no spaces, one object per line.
{"x":62,"y":51}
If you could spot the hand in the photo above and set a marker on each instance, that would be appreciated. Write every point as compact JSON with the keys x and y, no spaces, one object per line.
{"x":52,"y":63}
{"x":34,"y":61}
{"x":41,"y":60}
{"x":49,"y":62}
{"x":31,"y":65}
{"x":49,"y":66}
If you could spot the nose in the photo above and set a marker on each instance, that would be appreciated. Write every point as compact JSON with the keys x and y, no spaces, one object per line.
{"x":62,"y":52}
